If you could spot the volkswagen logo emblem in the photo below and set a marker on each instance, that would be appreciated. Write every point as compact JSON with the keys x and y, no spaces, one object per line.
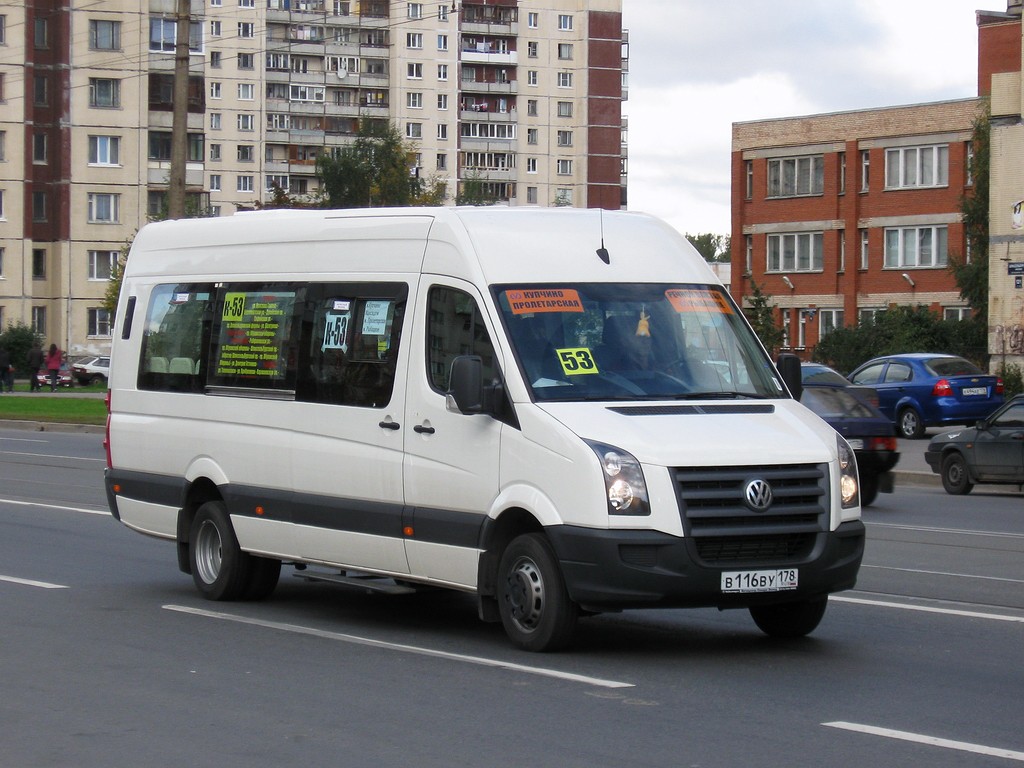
{"x":758,"y":495}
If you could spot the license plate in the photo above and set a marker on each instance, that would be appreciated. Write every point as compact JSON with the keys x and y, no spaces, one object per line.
{"x":760,"y":581}
{"x":975,"y":391}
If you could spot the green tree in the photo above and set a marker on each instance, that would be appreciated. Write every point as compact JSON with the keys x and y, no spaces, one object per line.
{"x":761,"y":314}
{"x":374,"y":170}
{"x":113,"y":291}
{"x":972,"y":276}
{"x":17,"y":339}
{"x":711,"y":246}
{"x":474,"y":191}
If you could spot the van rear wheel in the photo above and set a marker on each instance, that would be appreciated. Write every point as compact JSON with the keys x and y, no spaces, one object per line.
{"x":535,"y":607}
{"x":789,"y":620}
{"x":220,"y":570}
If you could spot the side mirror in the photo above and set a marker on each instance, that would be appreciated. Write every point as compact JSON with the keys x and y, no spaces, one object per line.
{"x":789,"y":369}
{"x":466,"y":385}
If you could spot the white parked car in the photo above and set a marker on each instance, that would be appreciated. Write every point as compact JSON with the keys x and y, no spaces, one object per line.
{"x":89,"y":370}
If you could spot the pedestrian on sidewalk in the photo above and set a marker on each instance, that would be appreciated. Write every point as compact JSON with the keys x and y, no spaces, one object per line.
{"x":53,"y":361}
{"x":34,"y":362}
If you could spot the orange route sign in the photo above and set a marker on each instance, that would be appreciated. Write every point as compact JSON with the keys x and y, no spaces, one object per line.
{"x":523,"y":302}
{"x":698,"y":300}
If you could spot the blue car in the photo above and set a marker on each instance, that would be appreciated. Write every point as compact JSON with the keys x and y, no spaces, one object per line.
{"x":927,"y":389}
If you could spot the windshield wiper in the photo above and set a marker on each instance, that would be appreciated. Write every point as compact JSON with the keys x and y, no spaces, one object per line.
{"x":720,"y":395}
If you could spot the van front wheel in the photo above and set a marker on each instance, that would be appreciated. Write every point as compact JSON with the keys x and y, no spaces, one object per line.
{"x":788,"y":620}
{"x":535,"y":607}
{"x":220,"y":569}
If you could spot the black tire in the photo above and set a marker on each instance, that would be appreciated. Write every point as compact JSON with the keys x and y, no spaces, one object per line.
{"x":220,"y":570}
{"x":955,"y":477}
{"x":263,"y":578}
{"x":535,"y":607}
{"x":909,"y":424}
{"x":789,"y":620}
{"x":868,"y":490}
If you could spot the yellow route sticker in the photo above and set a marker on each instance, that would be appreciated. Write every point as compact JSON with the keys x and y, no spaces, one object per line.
{"x":698,"y":300}
{"x":576,"y":361}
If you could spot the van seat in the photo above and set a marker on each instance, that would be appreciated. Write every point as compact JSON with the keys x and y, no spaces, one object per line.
{"x":158,"y":364}
{"x":182,"y":365}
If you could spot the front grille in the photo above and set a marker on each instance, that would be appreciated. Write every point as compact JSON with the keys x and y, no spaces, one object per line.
{"x":725,"y":529}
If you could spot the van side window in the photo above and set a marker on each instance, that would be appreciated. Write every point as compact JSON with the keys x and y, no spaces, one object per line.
{"x":177,"y":332}
{"x":456,"y":328}
{"x":349,"y":347}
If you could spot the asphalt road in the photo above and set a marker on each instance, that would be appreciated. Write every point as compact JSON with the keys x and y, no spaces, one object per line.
{"x":109,"y":657}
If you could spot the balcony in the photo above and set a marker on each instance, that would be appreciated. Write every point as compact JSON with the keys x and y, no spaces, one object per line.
{"x":483,"y":54}
{"x":477,"y":86}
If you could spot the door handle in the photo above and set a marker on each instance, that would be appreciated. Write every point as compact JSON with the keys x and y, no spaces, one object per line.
{"x":389,"y":425}
{"x":422,"y":430}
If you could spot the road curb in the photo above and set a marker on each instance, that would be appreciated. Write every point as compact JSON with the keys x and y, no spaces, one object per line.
{"x":916,"y":478}
{"x":51,"y":426}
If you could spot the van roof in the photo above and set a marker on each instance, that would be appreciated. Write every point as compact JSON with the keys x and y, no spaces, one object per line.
{"x":495,"y":244}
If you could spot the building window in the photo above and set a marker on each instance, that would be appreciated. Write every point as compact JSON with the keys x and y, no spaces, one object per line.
{"x":913,"y":167}
{"x":246,"y":61}
{"x":415,"y":10}
{"x":442,"y":72}
{"x":531,"y":49}
{"x":414,"y":71}
{"x":442,"y":13}
{"x":244,"y":183}
{"x":39,"y":207}
{"x":749,"y":173}
{"x":531,"y":135}
{"x":565,"y":79}
{"x":3,"y":211}
{"x":564,"y":22}
{"x":3,"y":29}
{"x":99,"y":322}
{"x":864,"y":249}
{"x":103,"y":208}
{"x":246,"y":91}
{"x":413,"y":40}
{"x":867,"y":316}
{"x":104,"y":150}
{"x":796,"y":176}
{"x":215,"y":30}
{"x":748,"y":266}
{"x":38,"y":264}
{"x":414,"y":130}
{"x":531,"y":77}
{"x":531,"y":107}
{"x":565,"y":51}
{"x":215,"y":182}
{"x":39,"y":320}
{"x":795,"y":252}
{"x":842,"y":173}
{"x":532,"y":19}
{"x":565,"y":109}
{"x":787,"y":318}
{"x":564,"y":167}
{"x":102,"y":264}
{"x":40,"y":36}
{"x":842,"y":249}
{"x":865,"y":170}
{"x":40,"y":90}
{"x":246,"y":29}
{"x":215,"y":90}
{"x":564,"y":138}
{"x":442,"y":101}
{"x":829,"y":320}
{"x":531,"y":195}
{"x":215,"y":152}
{"x":215,"y":58}
{"x":245,"y":153}
{"x":970,"y":164}
{"x":916,"y":247}
{"x":956,"y":313}
{"x":246,"y":122}
{"x":563,"y":196}
{"x":442,"y":42}
{"x":442,"y":131}
{"x":39,"y":148}
{"x":442,"y":162}
{"x":104,"y":92}
{"x":215,"y":121}
{"x":531,"y":165}
{"x":163,"y":34}
{"x":104,"y":35}
{"x":414,"y":100}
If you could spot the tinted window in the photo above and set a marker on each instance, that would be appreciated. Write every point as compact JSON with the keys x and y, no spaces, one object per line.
{"x":833,"y":402}
{"x":1012,"y":416}
{"x":175,"y":337}
{"x":869,"y":375}
{"x":898,"y":372}
{"x":456,"y":328}
{"x":952,"y":366}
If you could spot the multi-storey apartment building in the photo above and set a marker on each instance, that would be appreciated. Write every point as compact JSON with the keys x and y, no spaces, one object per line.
{"x":839,"y":216}
{"x":522,"y":99}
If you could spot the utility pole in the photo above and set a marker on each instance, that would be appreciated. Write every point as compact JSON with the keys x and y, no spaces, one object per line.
{"x":179,"y":124}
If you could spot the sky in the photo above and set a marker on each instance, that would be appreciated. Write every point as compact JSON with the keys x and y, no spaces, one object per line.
{"x":698,"y":66}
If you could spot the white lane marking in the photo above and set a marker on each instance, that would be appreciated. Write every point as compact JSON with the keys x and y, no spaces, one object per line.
{"x":22,"y":440}
{"x":346,"y":638}
{"x":943,"y":573}
{"x":934,"y":741}
{"x":19,"y":503}
{"x":935,"y":529}
{"x":30,"y":583}
{"x":51,"y":456}
{"x":927,"y":609}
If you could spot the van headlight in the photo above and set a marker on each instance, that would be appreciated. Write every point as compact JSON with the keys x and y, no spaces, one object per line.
{"x":624,"y":483}
{"x":847,"y":474}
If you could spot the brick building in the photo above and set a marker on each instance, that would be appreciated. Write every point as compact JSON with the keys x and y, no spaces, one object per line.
{"x":839,"y":216}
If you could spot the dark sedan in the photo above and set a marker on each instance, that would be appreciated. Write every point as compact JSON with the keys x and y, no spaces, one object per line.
{"x":929,"y":389}
{"x":990,"y":452}
{"x":868,"y":432}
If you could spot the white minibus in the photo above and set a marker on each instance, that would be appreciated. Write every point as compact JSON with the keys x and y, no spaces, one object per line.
{"x":561,"y":412}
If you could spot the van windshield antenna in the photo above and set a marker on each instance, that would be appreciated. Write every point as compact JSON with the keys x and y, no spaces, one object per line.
{"x":602,"y":251}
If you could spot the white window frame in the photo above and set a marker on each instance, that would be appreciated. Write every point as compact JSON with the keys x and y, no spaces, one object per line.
{"x":104,"y":208}
{"x":925,"y":166}
{"x":246,"y":91}
{"x":916,"y":247}
{"x":565,"y":22}
{"x":414,"y":99}
{"x":829,"y":320}
{"x":563,"y":167}
{"x":98,"y":323}
{"x":105,"y":151}
{"x":414,"y":40}
{"x":795,"y":252}
{"x":414,"y":130}
{"x":802,"y":176}
{"x":244,"y":183}
{"x":102,"y":264}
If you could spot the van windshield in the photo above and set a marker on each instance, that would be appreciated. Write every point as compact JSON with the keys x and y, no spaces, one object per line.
{"x":646,"y":341}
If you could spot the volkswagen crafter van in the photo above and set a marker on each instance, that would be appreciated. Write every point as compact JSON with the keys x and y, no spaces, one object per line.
{"x":561,"y":412}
